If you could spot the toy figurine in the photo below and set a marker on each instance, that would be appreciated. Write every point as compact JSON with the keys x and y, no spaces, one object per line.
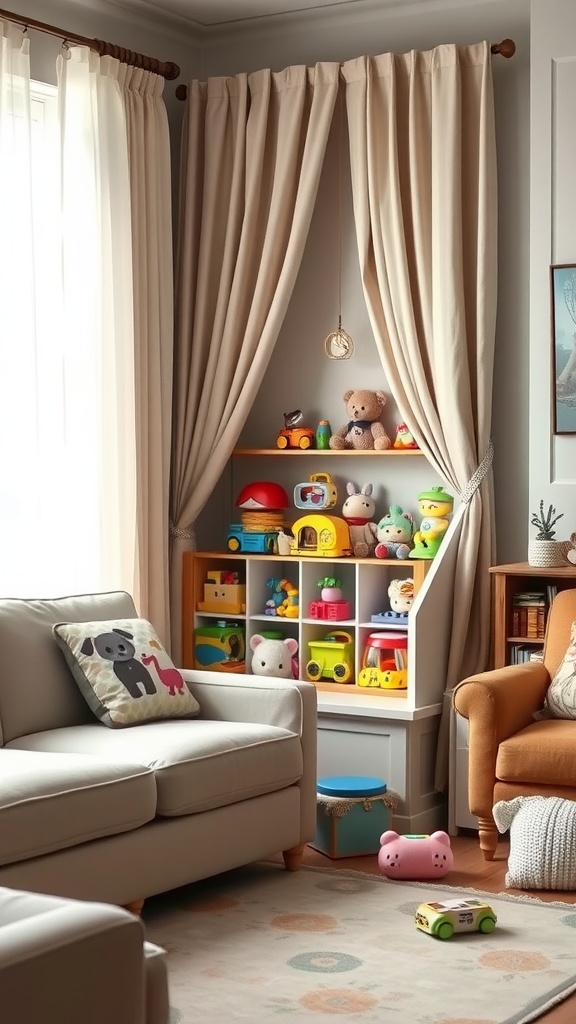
{"x":358,"y":510}
{"x":401,"y":594}
{"x":284,"y":541}
{"x":394,"y":533}
{"x":404,"y":437}
{"x":435,"y":506}
{"x":284,"y":600}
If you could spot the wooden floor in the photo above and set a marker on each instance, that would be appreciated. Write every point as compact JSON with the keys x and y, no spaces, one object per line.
{"x":470,"y":871}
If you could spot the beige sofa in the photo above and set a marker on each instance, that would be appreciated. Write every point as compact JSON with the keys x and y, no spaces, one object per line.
{"x":116,"y":815}
{"x":68,"y":961}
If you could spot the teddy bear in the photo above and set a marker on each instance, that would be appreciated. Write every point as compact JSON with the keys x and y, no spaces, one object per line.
{"x":395,"y":532}
{"x":274,"y":657}
{"x":363,"y":429}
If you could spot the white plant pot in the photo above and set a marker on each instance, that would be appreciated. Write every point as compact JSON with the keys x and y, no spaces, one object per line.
{"x":546,"y":554}
{"x":331,"y":593}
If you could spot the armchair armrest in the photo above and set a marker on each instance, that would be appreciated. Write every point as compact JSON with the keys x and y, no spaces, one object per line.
{"x":497,"y":704}
{"x":64,"y":961}
{"x":286,"y":703}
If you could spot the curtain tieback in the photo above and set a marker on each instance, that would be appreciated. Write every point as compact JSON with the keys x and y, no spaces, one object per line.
{"x":180,"y":534}
{"x":477,"y":478}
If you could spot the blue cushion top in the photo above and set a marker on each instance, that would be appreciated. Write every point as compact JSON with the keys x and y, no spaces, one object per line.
{"x":351,"y":785}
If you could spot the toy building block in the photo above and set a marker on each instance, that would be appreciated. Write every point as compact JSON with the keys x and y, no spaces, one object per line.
{"x":333,"y":611}
{"x":223,"y":593}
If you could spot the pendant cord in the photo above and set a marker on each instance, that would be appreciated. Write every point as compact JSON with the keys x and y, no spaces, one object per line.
{"x":340,"y":146}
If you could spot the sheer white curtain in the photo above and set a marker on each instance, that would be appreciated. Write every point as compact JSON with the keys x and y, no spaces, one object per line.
{"x":153,"y":284}
{"x":67,"y":475}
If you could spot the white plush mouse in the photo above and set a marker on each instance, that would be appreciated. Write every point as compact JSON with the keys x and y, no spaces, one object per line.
{"x":273,"y":657}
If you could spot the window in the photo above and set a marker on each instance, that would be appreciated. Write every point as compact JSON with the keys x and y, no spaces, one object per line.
{"x":51,"y":535}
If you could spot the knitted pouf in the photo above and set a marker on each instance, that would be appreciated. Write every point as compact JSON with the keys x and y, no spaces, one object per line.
{"x":542,"y":841}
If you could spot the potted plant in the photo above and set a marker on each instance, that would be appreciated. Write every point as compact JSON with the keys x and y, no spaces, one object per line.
{"x":330,"y":588}
{"x":544,"y":551}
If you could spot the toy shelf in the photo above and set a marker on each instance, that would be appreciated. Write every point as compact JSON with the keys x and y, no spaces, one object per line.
{"x":365,"y":587}
{"x":396,"y":452}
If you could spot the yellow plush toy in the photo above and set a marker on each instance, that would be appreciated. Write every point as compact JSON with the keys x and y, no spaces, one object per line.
{"x":363,"y":429}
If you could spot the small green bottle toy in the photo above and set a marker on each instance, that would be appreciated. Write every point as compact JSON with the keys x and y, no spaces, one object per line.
{"x":323,"y":433}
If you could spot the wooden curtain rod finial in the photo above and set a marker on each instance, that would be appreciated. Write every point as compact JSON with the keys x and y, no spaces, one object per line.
{"x":181,"y":92}
{"x":507,"y":48}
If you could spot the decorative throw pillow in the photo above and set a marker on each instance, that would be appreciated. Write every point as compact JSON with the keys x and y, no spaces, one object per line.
{"x":542,"y":841}
{"x":560,"y":701}
{"x":123,"y":671}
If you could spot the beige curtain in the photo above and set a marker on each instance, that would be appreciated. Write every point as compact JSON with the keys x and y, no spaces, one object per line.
{"x":152,"y":263}
{"x":253,"y":148}
{"x":423,"y":162}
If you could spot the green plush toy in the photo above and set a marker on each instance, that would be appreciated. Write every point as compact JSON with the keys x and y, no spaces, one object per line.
{"x":435,"y":506}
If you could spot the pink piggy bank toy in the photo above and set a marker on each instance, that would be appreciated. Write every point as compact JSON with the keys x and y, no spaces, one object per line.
{"x":419,"y":857}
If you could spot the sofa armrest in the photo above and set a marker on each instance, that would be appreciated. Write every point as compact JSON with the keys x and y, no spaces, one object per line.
{"x":64,"y":961}
{"x":286,"y":703}
{"x":497,"y":704}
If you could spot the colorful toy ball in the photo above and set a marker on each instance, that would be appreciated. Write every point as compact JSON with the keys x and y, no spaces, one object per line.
{"x":415,"y":857}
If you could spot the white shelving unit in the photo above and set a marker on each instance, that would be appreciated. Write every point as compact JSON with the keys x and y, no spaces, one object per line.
{"x":389,"y":733}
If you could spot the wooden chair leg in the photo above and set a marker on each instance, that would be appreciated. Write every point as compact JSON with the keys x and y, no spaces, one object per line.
{"x":293,"y":857}
{"x":135,"y":907}
{"x":488,"y":836}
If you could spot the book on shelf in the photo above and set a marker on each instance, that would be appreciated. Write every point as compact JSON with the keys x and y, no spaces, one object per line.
{"x":551,"y":591}
{"x":521,"y":653}
{"x":529,"y":610}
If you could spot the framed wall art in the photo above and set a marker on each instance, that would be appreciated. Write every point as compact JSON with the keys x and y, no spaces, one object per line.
{"x":563,"y":303}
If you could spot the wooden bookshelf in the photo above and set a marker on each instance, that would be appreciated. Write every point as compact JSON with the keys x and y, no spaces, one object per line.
{"x":509,"y":580}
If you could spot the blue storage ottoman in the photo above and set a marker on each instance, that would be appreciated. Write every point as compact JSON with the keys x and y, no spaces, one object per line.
{"x":352,"y":813}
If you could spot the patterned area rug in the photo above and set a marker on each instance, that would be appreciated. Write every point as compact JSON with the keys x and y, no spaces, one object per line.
{"x":262,"y":944}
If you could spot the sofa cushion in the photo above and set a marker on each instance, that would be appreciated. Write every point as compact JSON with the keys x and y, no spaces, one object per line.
{"x":198,"y":764}
{"x":38,"y":691}
{"x":544,"y":753}
{"x":50,"y":801}
{"x":560,"y":701}
{"x":123,"y":671}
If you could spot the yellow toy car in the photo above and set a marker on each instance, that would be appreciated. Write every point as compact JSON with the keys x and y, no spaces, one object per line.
{"x":331,"y":658}
{"x":444,"y":919}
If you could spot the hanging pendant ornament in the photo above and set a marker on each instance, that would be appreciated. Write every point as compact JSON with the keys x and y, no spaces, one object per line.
{"x":339,"y":344}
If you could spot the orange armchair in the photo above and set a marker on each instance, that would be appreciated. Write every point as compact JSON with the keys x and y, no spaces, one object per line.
{"x":511,"y":754}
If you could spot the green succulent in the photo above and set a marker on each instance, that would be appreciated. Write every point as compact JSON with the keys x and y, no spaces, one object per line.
{"x":544,"y":523}
{"x":329,"y":581}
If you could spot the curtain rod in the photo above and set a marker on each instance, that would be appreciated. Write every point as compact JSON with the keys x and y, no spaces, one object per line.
{"x":507,"y":48}
{"x":166,"y":69}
